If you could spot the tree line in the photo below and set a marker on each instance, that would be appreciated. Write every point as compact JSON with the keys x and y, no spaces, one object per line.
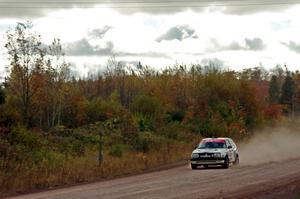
{"x":40,"y":92}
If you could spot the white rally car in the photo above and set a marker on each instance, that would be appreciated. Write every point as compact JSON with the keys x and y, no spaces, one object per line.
{"x":215,"y":151}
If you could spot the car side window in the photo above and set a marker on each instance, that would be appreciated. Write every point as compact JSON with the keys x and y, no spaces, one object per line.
{"x":228,"y":143}
{"x":232,"y":143}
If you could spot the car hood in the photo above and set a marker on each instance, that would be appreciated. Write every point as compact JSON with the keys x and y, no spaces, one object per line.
{"x":209,"y":150}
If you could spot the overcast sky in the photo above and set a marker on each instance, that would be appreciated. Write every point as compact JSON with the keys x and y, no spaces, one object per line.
{"x":236,"y":33}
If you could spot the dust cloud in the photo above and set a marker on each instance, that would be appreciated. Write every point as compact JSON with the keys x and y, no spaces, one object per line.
{"x":271,"y":145}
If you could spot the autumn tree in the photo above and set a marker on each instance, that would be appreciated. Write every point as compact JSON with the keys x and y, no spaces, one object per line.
{"x":37,"y":75}
{"x":57,"y":73}
{"x":25,"y":55}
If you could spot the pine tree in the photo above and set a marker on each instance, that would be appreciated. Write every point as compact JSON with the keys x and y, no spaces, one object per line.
{"x":287,"y":91}
{"x":296,"y":98}
{"x":274,"y":90}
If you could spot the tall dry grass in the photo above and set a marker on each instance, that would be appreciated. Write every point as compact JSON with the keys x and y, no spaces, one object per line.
{"x":27,"y":176}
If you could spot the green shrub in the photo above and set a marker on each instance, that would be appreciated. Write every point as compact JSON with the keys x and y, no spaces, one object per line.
{"x":78,"y":148}
{"x":117,"y":150}
{"x":147,"y":110}
{"x":146,"y":105}
{"x":171,"y":131}
{"x":143,"y":123}
{"x":26,"y":138}
{"x":175,"y":116}
{"x":142,"y":145}
{"x":103,"y":109}
{"x":147,"y":141}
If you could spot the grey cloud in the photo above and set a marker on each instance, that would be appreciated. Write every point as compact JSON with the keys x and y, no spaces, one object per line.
{"x":233,"y":46}
{"x":99,"y":33}
{"x":28,"y":13}
{"x":84,"y":48}
{"x":38,"y":8}
{"x":252,"y":7}
{"x":255,"y":44}
{"x":145,"y":54}
{"x":216,"y":46}
{"x":292,"y":46}
{"x":179,"y":32}
{"x":173,"y":33}
{"x":242,"y":7}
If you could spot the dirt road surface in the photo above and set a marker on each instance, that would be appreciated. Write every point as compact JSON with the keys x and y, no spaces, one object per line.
{"x":270,"y":180}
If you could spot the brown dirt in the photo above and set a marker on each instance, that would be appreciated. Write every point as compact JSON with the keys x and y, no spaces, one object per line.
{"x":269,"y":180}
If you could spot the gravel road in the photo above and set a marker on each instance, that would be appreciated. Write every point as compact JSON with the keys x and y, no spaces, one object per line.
{"x":269,"y":180}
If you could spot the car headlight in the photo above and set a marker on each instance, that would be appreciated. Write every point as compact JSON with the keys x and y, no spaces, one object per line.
{"x":194,"y":155}
{"x":217,"y":155}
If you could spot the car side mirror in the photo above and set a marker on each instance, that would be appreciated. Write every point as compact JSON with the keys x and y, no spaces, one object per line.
{"x":195,"y":146}
{"x":229,"y":147}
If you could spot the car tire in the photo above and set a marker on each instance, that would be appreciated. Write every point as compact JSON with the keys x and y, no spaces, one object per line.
{"x":226,"y":163}
{"x":193,"y":166}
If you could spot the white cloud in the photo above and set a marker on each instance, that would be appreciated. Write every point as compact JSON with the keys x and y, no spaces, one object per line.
{"x":134,"y":37}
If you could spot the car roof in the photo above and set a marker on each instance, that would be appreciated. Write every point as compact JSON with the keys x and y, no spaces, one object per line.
{"x":213,"y":139}
{"x":219,"y":138}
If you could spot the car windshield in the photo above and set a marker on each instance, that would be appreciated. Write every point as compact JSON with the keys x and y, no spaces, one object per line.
{"x":212,"y":144}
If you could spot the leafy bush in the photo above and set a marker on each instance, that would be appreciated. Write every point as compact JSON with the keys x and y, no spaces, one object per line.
{"x":23,"y":137}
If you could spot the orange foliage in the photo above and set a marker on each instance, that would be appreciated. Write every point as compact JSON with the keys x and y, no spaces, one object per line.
{"x":273,"y":111}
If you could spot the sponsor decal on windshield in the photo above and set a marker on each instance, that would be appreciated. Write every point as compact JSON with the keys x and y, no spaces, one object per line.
{"x":215,"y":140}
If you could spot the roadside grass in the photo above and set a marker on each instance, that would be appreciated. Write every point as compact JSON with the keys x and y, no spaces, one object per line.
{"x":67,"y":170}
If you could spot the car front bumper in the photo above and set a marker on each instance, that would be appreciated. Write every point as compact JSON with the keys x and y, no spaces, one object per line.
{"x":207,"y":162}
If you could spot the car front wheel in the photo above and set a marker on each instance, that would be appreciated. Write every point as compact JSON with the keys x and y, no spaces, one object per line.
{"x":226,"y":163}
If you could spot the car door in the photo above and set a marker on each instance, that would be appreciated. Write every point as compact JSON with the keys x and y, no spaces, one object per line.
{"x":230,"y":151}
{"x":234,"y":148}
